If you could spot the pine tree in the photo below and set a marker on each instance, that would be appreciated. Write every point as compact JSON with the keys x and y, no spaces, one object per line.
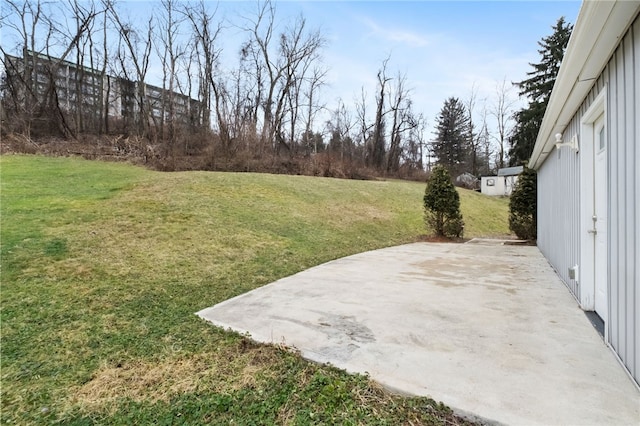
{"x":451,"y":146}
{"x":523,"y":206}
{"x":537,"y":88}
{"x":442,"y":205}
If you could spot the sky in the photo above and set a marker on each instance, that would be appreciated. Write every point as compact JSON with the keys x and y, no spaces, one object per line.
{"x":445,"y":48}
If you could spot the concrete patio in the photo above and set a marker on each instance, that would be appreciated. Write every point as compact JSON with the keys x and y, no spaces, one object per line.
{"x":486,"y":328}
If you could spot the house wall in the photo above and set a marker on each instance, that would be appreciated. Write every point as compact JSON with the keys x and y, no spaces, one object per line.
{"x":558,"y":211}
{"x":559,"y":201}
{"x":559,"y":235}
{"x":623,"y":119}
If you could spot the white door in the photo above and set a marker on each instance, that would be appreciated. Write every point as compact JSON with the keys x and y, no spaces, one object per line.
{"x":601,"y":300}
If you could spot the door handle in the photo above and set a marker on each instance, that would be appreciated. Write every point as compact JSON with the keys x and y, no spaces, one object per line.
{"x":592,"y":231}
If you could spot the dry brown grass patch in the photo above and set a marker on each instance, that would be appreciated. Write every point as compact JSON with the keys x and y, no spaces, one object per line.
{"x":139,"y":380}
{"x":228,"y":370}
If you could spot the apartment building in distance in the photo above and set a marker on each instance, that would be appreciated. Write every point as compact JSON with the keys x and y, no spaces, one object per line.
{"x":36,"y":83}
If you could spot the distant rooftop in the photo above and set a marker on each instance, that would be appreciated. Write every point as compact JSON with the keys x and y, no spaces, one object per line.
{"x":510,"y":171}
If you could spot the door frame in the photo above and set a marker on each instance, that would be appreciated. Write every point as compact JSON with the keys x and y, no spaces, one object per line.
{"x":587,"y":201}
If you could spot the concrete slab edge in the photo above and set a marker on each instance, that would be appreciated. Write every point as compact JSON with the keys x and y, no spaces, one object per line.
{"x":309,"y":356}
{"x":498,"y":241}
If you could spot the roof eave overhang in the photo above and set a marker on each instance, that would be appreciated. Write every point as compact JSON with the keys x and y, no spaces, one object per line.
{"x":596,"y":34}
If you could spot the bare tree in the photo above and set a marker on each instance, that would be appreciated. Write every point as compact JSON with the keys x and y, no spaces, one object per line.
{"x":502,"y":110}
{"x":298,"y":51}
{"x":23,"y":19}
{"x":377,"y":144}
{"x":133,"y":50}
{"x":170,"y":51}
{"x":84,"y":105}
{"x":291,"y":113}
{"x":412,"y":150}
{"x":315,"y":82}
{"x":304,"y":85}
{"x":474,"y":130}
{"x":339,"y":126}
{"x":242,"y":96}
{"x":261,"y":30}
{"x":72,"y":39}
{"x":35,"y":80}
{"x":249,"y":82}
{"x":364,"y":125}
{"x":106,"y":80}
{"x":282,"y":69}
{"x":404,"y":121}
{"x":205,"y":34}
{"x":485,"y":150}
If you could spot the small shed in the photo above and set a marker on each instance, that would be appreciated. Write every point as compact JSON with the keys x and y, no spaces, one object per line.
{"x":501,"y":185}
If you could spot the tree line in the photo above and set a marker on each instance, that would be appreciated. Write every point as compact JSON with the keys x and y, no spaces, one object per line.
{"x":264,"y":113}
{"x":465,"y":140}
{"x":465,"y":145}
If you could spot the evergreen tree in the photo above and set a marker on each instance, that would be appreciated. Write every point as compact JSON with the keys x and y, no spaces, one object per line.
{"x":442,"y":205}
{"x":537,"y":88}
{"x":523,"y":206}
{"x":451,"y":146}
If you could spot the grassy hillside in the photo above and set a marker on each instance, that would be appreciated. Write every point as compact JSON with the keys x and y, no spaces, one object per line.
{"x":104,"y":265}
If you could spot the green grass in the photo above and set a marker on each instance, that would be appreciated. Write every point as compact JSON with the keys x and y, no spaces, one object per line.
{"x":104,"y":265}
{"x":484,"y":216}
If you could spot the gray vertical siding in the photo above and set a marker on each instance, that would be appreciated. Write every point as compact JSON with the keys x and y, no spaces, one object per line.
{"x":559,"y":199}
{"x":558,"y":226}
{"x":623,"y":120}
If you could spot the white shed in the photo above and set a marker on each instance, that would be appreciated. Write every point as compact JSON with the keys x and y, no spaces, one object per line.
{"x":587,"y":156}
{"x":501,"y":185}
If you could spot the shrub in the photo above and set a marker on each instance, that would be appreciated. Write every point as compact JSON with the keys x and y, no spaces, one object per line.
{"x":442,"y":205}
{"x":523,"y":206}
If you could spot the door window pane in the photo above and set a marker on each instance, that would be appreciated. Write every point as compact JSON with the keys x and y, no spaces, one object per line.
{"x":601,"y":141}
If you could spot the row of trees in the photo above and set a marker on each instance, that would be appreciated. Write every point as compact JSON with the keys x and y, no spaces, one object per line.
{"x":268,"y":95}
{"x":267,"y":106}
{"x":457,"y":142}
{"x":464,"y":145}
{"x":470,"y":141}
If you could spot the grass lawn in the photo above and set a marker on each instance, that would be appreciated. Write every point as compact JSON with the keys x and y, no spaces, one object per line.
{"x":105,"y":264}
